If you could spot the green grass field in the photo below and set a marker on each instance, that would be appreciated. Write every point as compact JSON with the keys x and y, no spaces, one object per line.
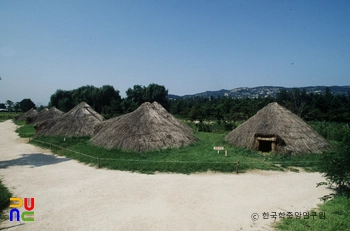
{"x":199,"y":157}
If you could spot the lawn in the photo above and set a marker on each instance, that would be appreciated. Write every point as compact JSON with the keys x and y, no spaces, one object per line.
{"x":198,"y":157}
{"x":25,"y":130}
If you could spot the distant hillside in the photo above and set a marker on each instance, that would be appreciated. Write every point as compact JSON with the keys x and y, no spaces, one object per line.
{"x":264,"y":91}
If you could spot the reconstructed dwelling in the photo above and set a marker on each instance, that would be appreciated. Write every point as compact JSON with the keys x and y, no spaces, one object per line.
{"x":276,"y":129}
{"x":150,"y":127}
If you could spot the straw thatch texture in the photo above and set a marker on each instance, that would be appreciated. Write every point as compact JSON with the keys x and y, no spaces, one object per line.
{"x":293,"y":135}
{"x":150,"y":127}
{"x":40,"y":114}
{"x":28,"y":116}
{"x":80,"y":121}
{"x":46,"y":114}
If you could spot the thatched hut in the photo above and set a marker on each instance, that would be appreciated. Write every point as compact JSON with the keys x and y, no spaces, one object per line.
{"x":276,"y":129}
{"x":28,"y":116}
{"x":46,"y":114}
{"x":150,"y":127}
{"x":40,"y":114}
{"x":80,"y":121}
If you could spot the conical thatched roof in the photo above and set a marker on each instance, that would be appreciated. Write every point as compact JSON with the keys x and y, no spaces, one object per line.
{"x":275,"y":127}
{"x":28,"y":116}
{"x":80,"y":121}
{"x":46,"y":114}
{"x":150,"y":127}
{"x":40,"y":114}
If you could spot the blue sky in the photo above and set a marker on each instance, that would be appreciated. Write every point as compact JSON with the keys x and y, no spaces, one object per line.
{"x":188,"y":46}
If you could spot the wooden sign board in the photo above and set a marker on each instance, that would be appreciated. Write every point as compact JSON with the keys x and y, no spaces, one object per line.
{"x":218,"y":148}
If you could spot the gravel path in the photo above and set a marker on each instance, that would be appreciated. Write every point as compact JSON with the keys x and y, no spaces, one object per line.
{"x":73,"y":196}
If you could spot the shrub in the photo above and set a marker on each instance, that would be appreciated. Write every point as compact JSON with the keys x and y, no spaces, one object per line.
{"x":336,"y":167}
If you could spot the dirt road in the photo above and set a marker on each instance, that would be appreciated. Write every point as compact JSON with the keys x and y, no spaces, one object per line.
{"x":72,"y":196}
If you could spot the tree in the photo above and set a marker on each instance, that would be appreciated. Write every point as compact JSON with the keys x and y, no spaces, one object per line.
{"x":26,"y":105}
{"x":139,"y":94}
{"x":9,"y":104}
{"x":62,"y":100}
{"x":17,"y":106}
{"x":155,"y":92}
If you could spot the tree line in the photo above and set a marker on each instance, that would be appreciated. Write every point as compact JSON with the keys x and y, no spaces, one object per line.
{"x":309,"y":106}
{"x":107,"y":101}
{"x":24,"y":105}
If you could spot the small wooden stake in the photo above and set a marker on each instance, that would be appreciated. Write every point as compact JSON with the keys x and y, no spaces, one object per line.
{"x":225,"y":152}
{"x":237,"y":167}
{"x":99,"y":162}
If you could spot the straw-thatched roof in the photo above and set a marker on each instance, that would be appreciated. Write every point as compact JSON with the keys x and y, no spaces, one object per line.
{"x":150,"y":127}
{"x":40,"y":114}
{"x":28,"y":116}
{"x":46,"y":114}
{"x":80,"y":121}
{"x":274,"y":128}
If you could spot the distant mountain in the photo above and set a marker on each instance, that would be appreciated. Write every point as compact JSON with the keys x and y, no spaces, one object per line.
{"x":264,"y":91}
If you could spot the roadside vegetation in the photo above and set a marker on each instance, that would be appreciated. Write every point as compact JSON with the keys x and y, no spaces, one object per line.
{"x":5,"y":196}
{"x":336,"y":218}
{"x":8,"y":116}
{"x":25,"y":130}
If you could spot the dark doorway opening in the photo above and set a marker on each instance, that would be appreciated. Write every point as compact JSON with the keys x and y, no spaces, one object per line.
{"x":265,"y":146}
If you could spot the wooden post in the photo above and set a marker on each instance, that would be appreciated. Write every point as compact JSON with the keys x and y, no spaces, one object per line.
{"x":273,"y":146}
{"x":237,"y":167}
{"x":99,"y":162}
{"x":225,"y":152}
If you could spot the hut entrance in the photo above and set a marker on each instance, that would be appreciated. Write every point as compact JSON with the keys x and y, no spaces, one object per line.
{"x":266,"y":143}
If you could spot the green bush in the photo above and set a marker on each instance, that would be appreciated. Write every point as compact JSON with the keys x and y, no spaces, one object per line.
{"x":331,"y":131}
{"x":336,"y":167}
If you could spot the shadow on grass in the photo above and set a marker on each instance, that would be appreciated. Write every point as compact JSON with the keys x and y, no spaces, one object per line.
{"x":33,"y":160}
